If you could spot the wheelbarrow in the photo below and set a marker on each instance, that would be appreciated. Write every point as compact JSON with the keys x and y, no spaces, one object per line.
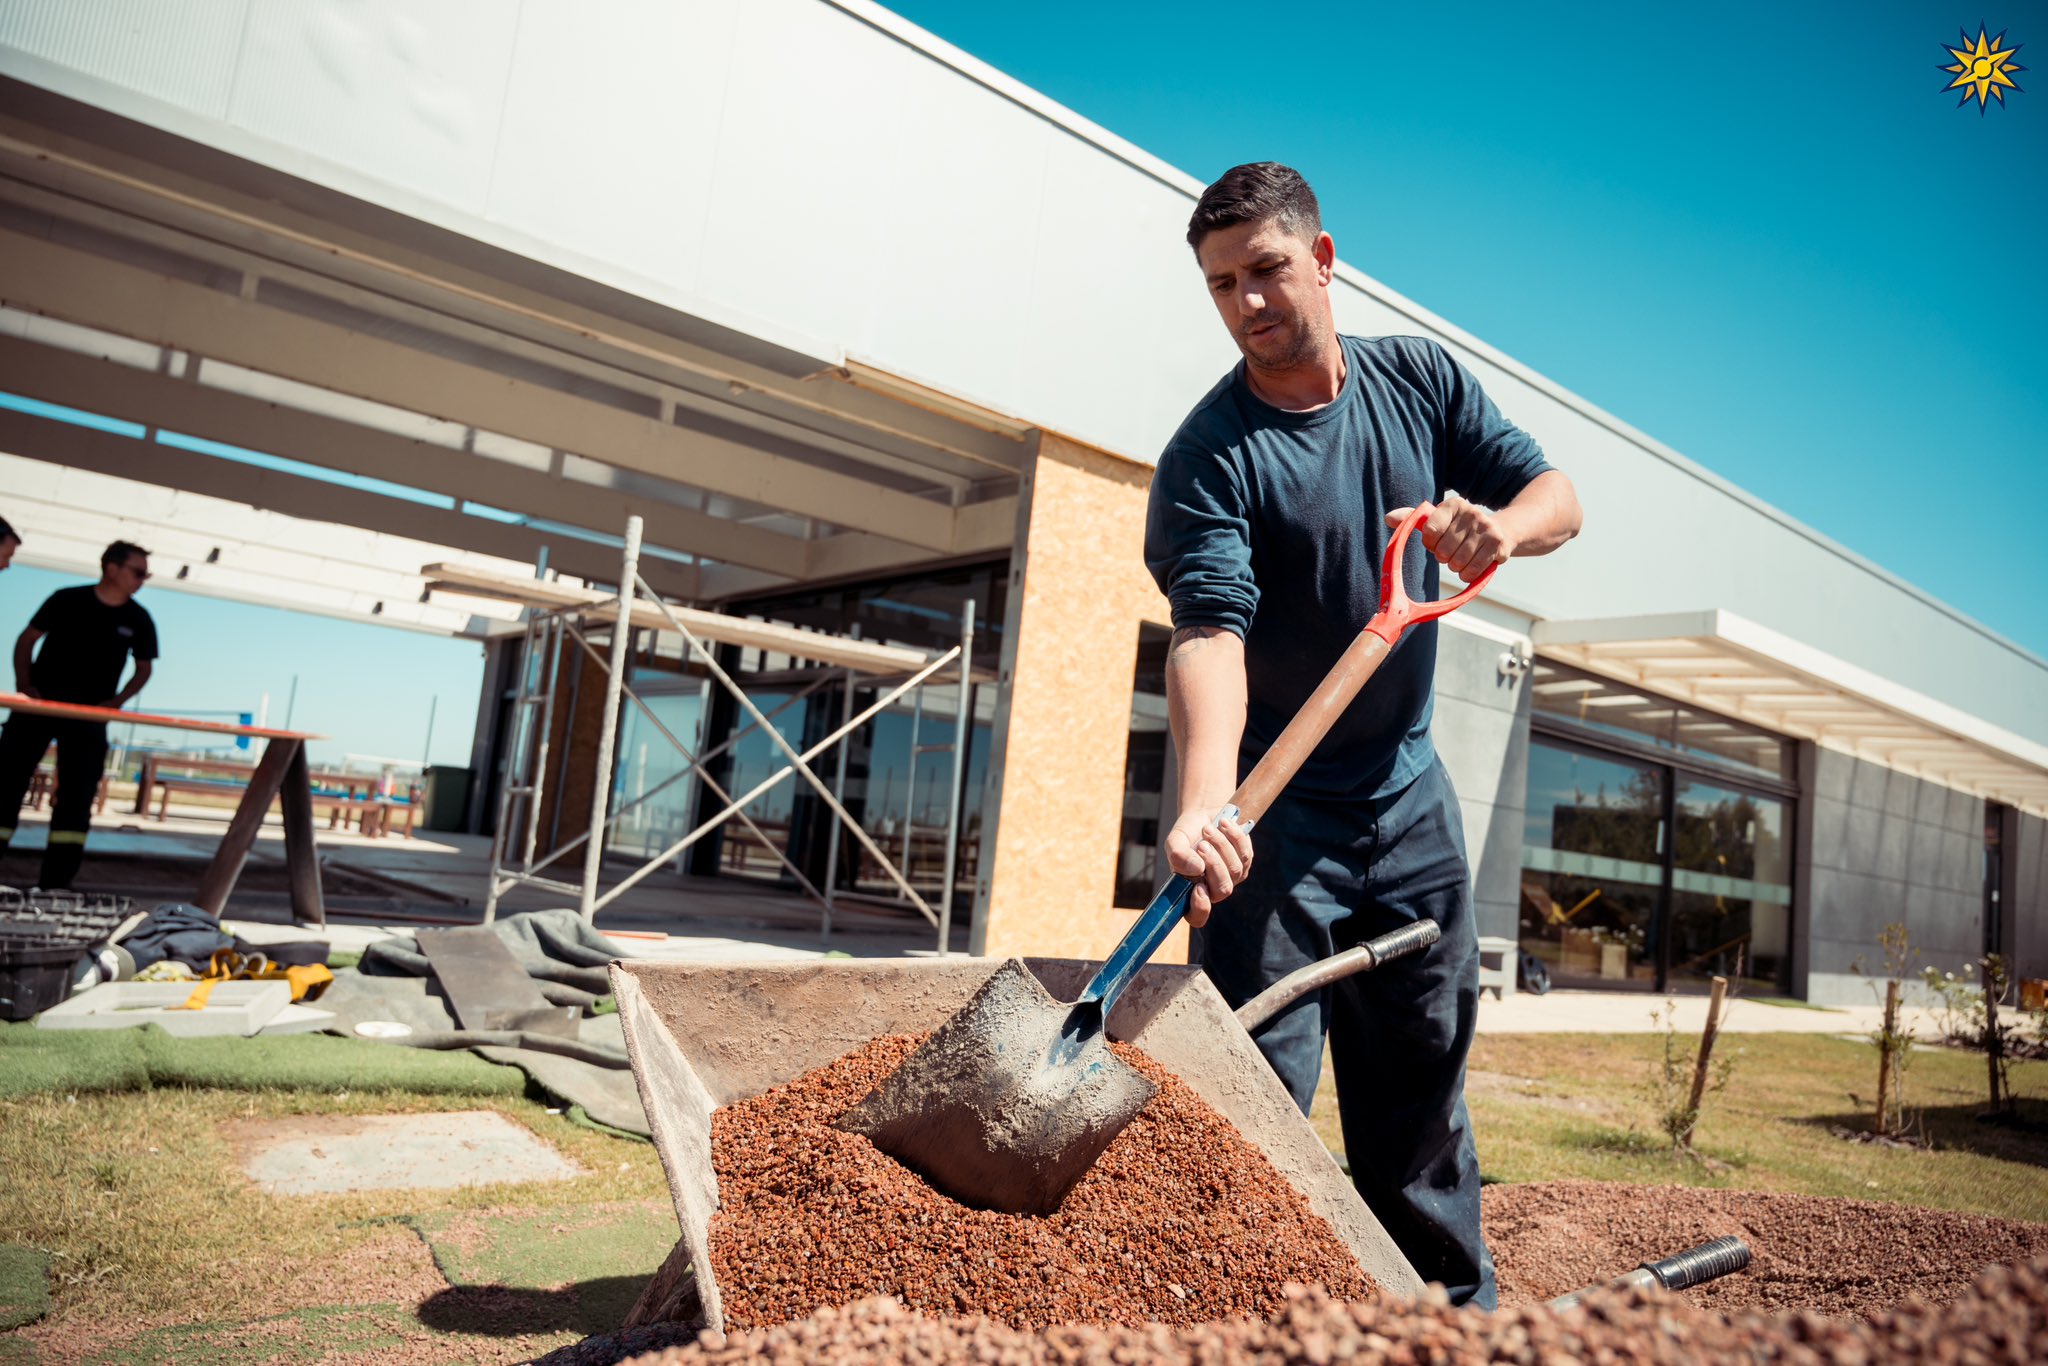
{"x":703,"y":1036}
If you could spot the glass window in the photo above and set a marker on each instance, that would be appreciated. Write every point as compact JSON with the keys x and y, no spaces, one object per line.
{"x":899,"y":765}
{"x":655,"y":791}
{"x":1608,"y":708}
{"x":1731,"y":886}
{"x":1138,"y":862}
{"x":1592,"y":860}
{"x":754,"y":758}
{"x":898,"y":781}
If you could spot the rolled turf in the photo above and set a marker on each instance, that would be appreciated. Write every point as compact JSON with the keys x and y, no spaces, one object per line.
{"x":36,"y":1061}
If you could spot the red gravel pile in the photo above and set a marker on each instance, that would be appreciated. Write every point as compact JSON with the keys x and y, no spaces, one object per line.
{"x":2002,"y":1318}
{"x":1182,"y":1220}
{"x":1831,"y":1256}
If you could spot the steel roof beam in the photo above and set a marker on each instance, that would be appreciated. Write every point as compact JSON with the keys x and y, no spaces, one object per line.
{"x":67,"y":283}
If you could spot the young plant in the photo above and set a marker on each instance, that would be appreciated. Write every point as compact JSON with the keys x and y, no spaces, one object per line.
{"x":1999,"y":1038}
{"x":1894,"y":1045}
{"x":1685,"y":1075}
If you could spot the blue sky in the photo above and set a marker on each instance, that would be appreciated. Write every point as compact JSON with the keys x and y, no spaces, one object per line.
{"x":368,"y":688}
{"x":1759,"y":233}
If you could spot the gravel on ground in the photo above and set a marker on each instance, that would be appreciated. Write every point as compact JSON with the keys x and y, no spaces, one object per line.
{"x":2002,"y":1318}
{"x":1809,"y":1252}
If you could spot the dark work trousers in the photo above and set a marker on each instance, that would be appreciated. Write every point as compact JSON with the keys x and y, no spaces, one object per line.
{"x":81,"y":756}
{"x":1330,"y":875}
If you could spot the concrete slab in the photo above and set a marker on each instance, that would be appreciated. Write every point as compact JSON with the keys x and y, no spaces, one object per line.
{"x":325,"y":1154}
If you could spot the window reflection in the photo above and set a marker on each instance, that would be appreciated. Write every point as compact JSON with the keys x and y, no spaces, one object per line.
{"x":1731,"y":886}
{"x":1592,"y":866}
{"x":1609,"y":708}
{"x":1595,"y":849}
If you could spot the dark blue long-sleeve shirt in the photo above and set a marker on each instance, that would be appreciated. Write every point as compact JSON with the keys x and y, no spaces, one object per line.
{"x":1272,"y":524}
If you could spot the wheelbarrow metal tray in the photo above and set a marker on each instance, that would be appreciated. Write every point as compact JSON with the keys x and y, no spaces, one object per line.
{"x":703,"y":1036}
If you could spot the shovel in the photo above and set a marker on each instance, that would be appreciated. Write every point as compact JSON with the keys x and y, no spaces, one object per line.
{"x":1008,"y":1103}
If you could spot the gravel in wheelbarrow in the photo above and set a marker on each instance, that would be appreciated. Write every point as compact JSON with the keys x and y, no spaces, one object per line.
{"x":1180,"y":1221}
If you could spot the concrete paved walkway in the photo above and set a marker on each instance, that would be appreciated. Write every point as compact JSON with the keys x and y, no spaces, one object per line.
{"x":1628,"y":1012}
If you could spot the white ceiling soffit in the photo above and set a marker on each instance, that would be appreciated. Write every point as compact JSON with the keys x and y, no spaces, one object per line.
{"x":1728,"y":664}
{"x":222,"y":549}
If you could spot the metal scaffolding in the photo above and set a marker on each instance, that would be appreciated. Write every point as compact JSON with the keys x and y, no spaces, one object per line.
{"x":558,"y":616}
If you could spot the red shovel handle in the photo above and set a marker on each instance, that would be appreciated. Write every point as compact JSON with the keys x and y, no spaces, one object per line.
{"x":1357,"y":664}
{"x":1398,"y":611}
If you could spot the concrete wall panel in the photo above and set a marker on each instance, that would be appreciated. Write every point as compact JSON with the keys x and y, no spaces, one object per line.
{"x":620,"y":170}
{"x":182,"y":54}
{"x":413,"y":91}
{"x":2029,"y":883}
{"x":1876,"y":862}
{"x":1481,"y":728}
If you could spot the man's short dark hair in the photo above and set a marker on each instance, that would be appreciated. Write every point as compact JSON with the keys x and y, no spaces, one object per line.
{"x":8,"y":533}
{"x":119,"y":552}
{"x":1253,"y":193}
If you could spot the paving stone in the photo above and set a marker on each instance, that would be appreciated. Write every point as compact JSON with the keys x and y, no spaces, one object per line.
{"x":323,"y":1154}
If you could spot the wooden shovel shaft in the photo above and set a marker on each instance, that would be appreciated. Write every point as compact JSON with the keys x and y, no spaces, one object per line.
{"x":1340,"y":686}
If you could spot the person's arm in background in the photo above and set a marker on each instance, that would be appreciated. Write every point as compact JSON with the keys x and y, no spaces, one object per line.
{"x":1205,"y":703}
{"x":24,"y":661}
{"x":136,"y":682}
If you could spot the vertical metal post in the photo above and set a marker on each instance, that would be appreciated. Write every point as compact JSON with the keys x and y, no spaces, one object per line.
{"x":961,"y":722}
{"x":614,"y":684}
{"x":910,"y":788}
{"x":839,"y":796}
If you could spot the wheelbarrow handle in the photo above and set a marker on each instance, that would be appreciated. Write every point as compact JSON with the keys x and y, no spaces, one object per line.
{"x":1299,"y":983}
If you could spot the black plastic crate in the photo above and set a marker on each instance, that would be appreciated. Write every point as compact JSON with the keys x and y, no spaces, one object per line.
{"x":34,"y":977}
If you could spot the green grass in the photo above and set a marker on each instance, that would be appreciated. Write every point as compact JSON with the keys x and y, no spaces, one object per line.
{"x":141,"y":1207}
{"x":1549,"y":1107}
{"x":138,"y":1203}
{"x":24,"y":1285}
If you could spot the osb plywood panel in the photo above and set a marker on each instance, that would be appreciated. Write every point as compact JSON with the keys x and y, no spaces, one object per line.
{"x":1084,"y":594}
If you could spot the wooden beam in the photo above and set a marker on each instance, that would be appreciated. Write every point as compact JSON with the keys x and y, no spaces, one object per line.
{"x":863,"y":655}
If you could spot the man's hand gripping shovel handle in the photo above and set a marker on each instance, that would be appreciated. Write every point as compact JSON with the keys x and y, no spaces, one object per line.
{"x":1397,"y":612}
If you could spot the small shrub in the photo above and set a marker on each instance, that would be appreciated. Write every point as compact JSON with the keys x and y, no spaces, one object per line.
{"x":1895,"y":1045}
{"x":1671,"y":1079}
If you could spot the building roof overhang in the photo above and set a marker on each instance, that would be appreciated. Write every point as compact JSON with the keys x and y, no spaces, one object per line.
{"x":1726,"y":663}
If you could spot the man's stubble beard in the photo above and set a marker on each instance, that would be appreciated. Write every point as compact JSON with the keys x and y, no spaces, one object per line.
{"x":1305,"y":347}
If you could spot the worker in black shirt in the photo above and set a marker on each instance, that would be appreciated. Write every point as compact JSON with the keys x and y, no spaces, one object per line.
{"x":87,"y":634}
{"x":9,"y":543}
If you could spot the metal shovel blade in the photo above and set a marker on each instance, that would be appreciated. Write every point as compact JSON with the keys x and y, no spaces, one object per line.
{"x":1008,"y":1103}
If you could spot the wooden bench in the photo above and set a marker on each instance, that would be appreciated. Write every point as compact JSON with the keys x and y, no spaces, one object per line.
{"x":373,"y":816}
{"x":42,"y":786}
{"x":354,"y":784}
